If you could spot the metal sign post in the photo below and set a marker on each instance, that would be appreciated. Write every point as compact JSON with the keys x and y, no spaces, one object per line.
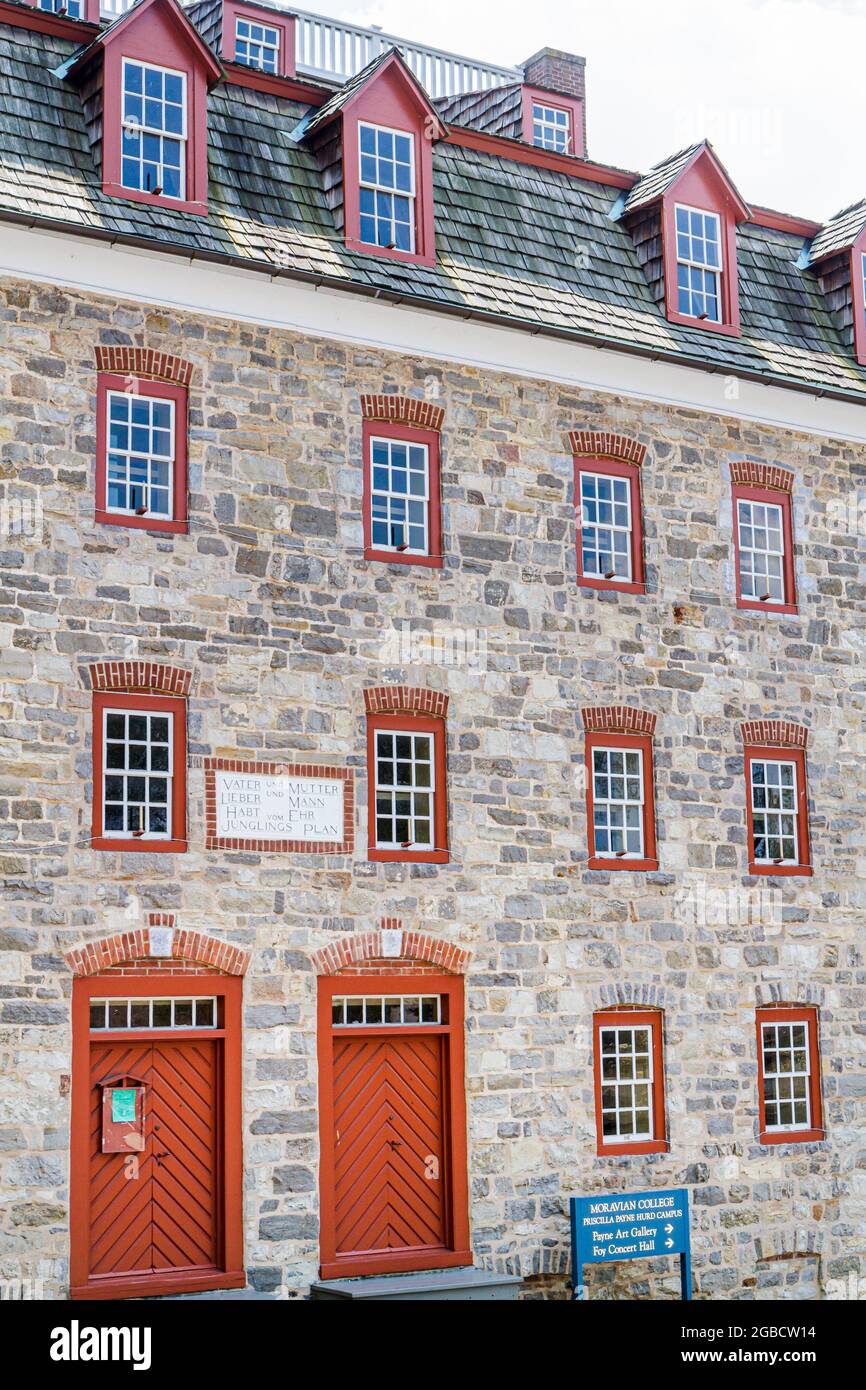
{"x":630,"y":1226}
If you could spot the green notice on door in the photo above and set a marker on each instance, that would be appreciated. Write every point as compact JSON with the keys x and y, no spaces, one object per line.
{"x":123,"y":1104}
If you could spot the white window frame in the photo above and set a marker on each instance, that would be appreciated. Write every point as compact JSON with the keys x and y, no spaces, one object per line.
{"x":67,"y":6}
{"x":150,"y":1002}
{"x":765,"y":811}
{"x":147,"y":773}
{"x":407,"y":497}
{"x":382,"y":188}
{"x":148,"y":130}
{"x":258,"y":43}
{"x":770,"y":601}
{"x":618,"y":1082}
{"x":597,"y":526}
{"x":716,"y":270}
{"x":795,"y":1127}
{"x":363,"y":1003}
{"x":385,"y":789}
{"x":130,"y":453}
{"x":541,"y":117}
{"x":607,"y":801}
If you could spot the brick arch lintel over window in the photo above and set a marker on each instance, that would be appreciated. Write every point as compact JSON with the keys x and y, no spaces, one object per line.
{"x":618,"y":719}
{"x":405,"y":699}
{"x":139,"y":678}
{"x":420,"y":947}
{"x":603,"y":444}
{"x":763,"y":475}
{"x":144,"y":362}
{"x":189,"y":946}
{"x":773,"y":733}
{"x":403,"y":410}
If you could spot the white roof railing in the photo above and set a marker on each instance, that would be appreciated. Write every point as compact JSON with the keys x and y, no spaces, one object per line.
{"x":334,"y":51}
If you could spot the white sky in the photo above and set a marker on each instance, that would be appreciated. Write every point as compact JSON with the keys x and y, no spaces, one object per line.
{"x":776,"y":85}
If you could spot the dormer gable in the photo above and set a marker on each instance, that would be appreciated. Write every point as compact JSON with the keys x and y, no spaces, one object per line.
{"x":837,"y":255}
{"x":374,"y":139}
{"x":683,"y":218}
{"x":144,"y":81}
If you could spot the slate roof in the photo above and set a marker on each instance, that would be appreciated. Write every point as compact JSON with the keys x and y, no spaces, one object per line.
{"x":659,"y":179}
{"x":499,"y":110}
{"x":839,"y":233}
{"x":507,"y":233}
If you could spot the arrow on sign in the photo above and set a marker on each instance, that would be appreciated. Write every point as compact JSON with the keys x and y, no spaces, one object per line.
{"x":668,"y":1244}
{"x":668,"y":1228}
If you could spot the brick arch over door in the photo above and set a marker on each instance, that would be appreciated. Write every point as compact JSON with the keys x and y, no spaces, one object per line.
{"x":602,"y":444}
{"x":130,"y":947}
{"x":144,"y":362}
{"x":368,"y":947}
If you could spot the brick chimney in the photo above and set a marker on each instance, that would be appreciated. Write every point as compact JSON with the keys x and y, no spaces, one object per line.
{"x":557,"y":72}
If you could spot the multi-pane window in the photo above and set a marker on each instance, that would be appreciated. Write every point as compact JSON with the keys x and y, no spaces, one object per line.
{"x":761,"y":536}
{"x":606,"y":526}
{"x":399,"y":495}
{"x":137,"y":773}
{"x":399,"y":1010}
{"x":699,"y":263}
{"x":153,"y":1013}
{"x":618,"y":802}
{"x":140,"y":455}
{"x":626,"y":1084}
{"x":774,"y":812}
{"x":71,"y":8}
{"x":387,"y":187}
{"x":551,"y":128}
{"x":786,"y":1069}
{"x":404,"y":790}
{"x":154,"y":129}
{"x":257,"y":45}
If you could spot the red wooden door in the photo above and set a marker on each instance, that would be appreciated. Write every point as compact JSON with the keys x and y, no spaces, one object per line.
{"x":389,"y":1150}
{"x":157,"y":1211}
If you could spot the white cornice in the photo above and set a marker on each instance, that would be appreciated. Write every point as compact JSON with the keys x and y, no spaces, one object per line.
{"x":252,"y":297}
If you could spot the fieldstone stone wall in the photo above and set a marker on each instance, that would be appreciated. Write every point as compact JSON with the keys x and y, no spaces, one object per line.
{"x":270,"y":606}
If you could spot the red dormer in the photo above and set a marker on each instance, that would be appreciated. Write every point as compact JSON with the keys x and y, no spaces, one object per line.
{"x":683,"y":216}
{"x":258,"y":37}
{"x":387,"y":125}
{"x":837,"y":254}
{"x":152,"y":71}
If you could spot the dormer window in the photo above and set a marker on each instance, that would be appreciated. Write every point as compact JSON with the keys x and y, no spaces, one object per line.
{"x":257,"y":45}
{"x":72,"y":9}
{"x":387,"y":187}
{"x":551,"y":128}
{"x":153,"y":154}
{"x":699,"y":263}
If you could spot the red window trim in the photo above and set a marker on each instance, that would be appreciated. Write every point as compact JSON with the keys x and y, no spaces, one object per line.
{"x":588,"y":463}
{"x":572,"y":105}
{"x":141,"y":40}
{"x":259,"y":14}
{"x":777,"y":754}
{"x":379,"y":429}
{"x":653,"y":1019}
{"x":149,"y":704}
{"x":778,"y":498}
{"x":458,"y":1249}
{"x":729,"y":288}
{"x":858,"y":298}
{"x":420,"y":724}
{"x":644,"y":744}
{"x":160,"y":390}
{"x":787,"y":1014}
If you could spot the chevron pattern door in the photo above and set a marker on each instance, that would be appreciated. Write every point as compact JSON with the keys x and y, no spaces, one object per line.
{"x":388,"y":1113}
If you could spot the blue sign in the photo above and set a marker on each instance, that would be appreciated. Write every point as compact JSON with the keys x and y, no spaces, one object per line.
{"x":630,"y":1226}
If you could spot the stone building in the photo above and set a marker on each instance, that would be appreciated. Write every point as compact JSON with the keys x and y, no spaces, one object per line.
{"x":432,"y":761}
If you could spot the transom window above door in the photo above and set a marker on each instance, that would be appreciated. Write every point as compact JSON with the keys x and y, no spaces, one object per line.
{"x":399,"y":1010}
{"x":153,"y":156}
{"x":130,"y":1014}
{"x":387,"y":187}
